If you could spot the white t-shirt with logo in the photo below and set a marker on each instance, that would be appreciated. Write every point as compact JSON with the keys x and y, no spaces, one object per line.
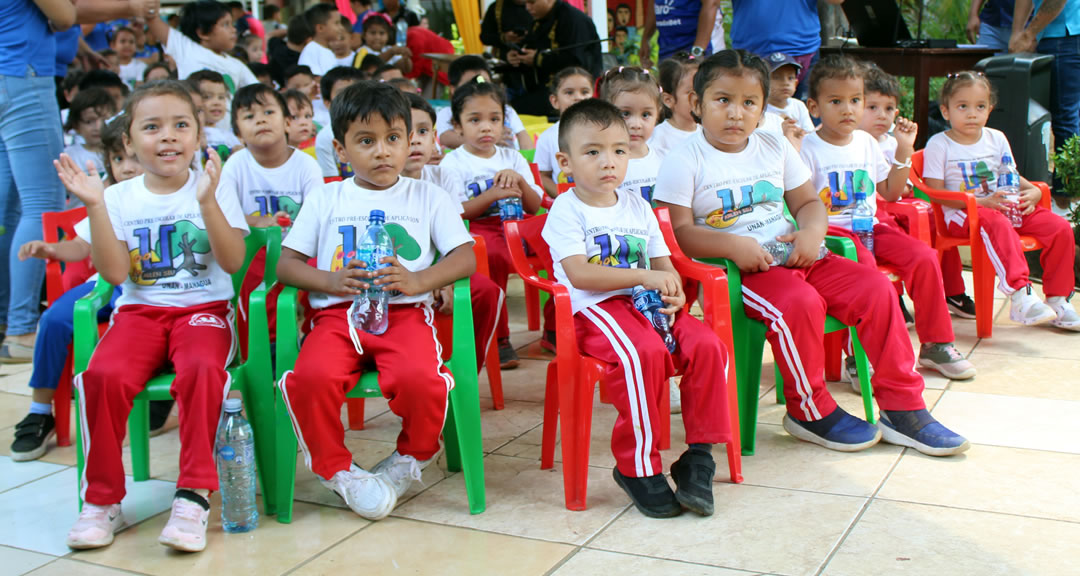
{"x":738,"y":193}
{"x":266,"y":191}
{"x":641,"y":175}
{"x":666,"y":137}
{"x":446,"y":178}
{"x":625,"y":235}
{"x":838,"y":172}
{"x":346,"y":60}
{"x":888,"y":146}
{"x":132,"y":72}
{"x":421,"y":219}
{"x":318,"y":57}
{"x":478,"y":173}
{"x":547,"y":144}
{"x":795,"y":110}
{"x":82,"y":156}
{"x":320,"y":113}
{"x":171,"y":261}
{"x":221,"y":135}
{"x":444,"y":116}
{"x":190,"y":57}
{"x":967,"y":168}
{"x":329,"y":164}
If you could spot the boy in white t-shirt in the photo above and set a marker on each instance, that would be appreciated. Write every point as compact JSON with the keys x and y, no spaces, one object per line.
{"x":461,"y":72}
{"x":844,"y":160}
{"x":131,"y":68}
{"x":569,"y":86}
{"x":205,"y":40}
{"x":215,"y":105}
{"x":604,"y":242}
{"x":325,"y":22}
{"x":89,"y":110}
{"x":371,"y":130}
{"x":783,"y":81}
{"x":331,"y":164}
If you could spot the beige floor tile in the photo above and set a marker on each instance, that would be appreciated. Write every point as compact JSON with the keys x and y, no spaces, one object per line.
{"x":600,"y":563}
{"x":9,"y":369}
{"x":993,"y":479}
{"x":16,"y":561}
{"x":65,"y":567}
{"x":1010,"y":339}
{"x":55,"y":455}
{"x":522,"y":500}
{"x":16,"y":383}
{"x":526,"y":383}
{"x":391,"y":547}
{"x":901,"y":538}
{"x":756,"y":529}
{"x":13,"y":408}
{"x":1033,"y":423}
{"x":270,"y":549}
{"x":1048,"y":378}
{"x":782,"y":461}
{"x":14,"y":473}
{"x":164,"y":454}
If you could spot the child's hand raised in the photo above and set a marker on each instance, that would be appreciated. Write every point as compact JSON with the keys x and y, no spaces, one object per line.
{"x":89,"y":189}
{"x":397,"y":277}
{"x":904,"y":131}
{"x":346,"y":282}
{"x":207,"y":185}
{"x":37,"y":249}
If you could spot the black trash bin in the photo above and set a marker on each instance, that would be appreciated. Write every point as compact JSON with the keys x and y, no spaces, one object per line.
{"x":1022,"y":84}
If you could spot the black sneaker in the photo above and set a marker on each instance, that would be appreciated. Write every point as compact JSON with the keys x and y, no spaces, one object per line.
{"x":508,"y":358}
{"x":961,"y":306}
{"x":651,"y":495}
{"x":693,"y":475}
{"x":31,"y":435}
{"x":908,"y":318}
{"x":159,"y":414}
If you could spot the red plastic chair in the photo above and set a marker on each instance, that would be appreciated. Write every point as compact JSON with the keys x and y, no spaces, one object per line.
{"x":355,"y":406}
{"x":570,"y":378}
{"x":53,"y":223}
{"x":981,"y":268}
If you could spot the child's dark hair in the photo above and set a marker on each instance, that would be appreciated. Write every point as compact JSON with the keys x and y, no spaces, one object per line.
{"x":333,"y":75}
{"x":877,"y":80}
{"x":112,"y":140}
{"x":472,"y":89}
{"x":568,"y":72}
{"x":954,"y":82}
{"x":383,"y":68}
{"x":629,"y":79}
{"x":672,"y":70}
{"x":374,"y":19}
{"x":296,"y":70}
{"x":201,"y":16}
{"x":363,"y":100}
{"x":417,"y":102}
{"x":406,"y":85}
{"x":371,"y":62}
{"x":467,"y":63}
{"x":92,"y":99}
{"x":297,"y":97}
{"x":156,"y":66}
{"x":594,"y":112}
{"x":319,"y":15}
{"x":103,"y":79}
{"x":116,"y":32}
{"x":252,"y":94}
{"x":270,"y":11}
{"x":829,"y":67}
{"x":160,"y":88}
{"x":735,"y":63}
{"x":299,"y":31}
{"x":197,"y":78}
{"x":107,"y":52}
{"x":259,"y":69}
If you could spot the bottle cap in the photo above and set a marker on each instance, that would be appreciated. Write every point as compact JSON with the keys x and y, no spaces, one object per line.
{"x":377,"y":215}
{"x":233,"y":404}
{"x":1006,"y":159}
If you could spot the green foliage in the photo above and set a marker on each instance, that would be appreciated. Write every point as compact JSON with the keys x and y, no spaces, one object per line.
{"x":1067,"y":169}
{"x":941,"y":18}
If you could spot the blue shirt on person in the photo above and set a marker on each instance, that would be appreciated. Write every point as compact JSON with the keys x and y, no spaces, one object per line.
{"x":67,"y":46}
{"x":997,"y":13}
{"x":25,"y":40}
{"x":788,"y":26}
{"x":1067,"y":22}
{"x":676,"y":25}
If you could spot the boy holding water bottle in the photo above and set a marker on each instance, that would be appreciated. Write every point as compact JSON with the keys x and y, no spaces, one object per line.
{"x":605,"y":242}
{"x":371,"y":123}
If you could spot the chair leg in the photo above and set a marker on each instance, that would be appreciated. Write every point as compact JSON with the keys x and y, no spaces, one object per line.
{"x":494,"y":374}
{"x":463,"y":429}
{"x":62,"y":404}
{"x":285,"y":460}
{"x":80,"y":462}
{"x":532,"y":307}
{"x":139,"y":436}
{"x":751,"y":347}
{"x":984,"y":292}
{"x":355,"y":407}
{"x":575,"y":419}
{"x":551,"y":417}
{"x":778,"y":377}
{"x":863,"y":366}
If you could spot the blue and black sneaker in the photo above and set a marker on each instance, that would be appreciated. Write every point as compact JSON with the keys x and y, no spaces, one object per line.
{"x":919,"y":430}
{"x":838,"y":431}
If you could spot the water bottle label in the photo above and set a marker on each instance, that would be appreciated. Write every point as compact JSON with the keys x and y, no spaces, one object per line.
{"x":862,"y":225}
{"x":227,"y":453}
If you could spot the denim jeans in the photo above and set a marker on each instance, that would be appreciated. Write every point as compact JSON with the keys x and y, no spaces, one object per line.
{"x":1064,"y":88}
{"x":30,"y":139}
{"x":994,"y":37}
{"x":56,"y":332}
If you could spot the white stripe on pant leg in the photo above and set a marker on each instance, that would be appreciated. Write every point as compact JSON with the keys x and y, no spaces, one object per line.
{"x":995,"y":261}
{"x":494,"y":326}
{"x":640,"y":463}
{"x":292,"y":417}
{"x":85,"y":433}
{"x":788,"y":350}
{"x":643,"y":403}
{"x":234,"y":341}
{"x":429,"y":319}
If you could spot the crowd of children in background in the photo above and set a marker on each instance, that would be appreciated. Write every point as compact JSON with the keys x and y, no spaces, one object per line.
{"x":174,"y":173}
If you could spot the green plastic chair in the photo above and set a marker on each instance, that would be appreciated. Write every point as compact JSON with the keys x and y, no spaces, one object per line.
{"x":464,"y":445}
{"x":252,"y":376}
{"x":530,"y":155}
{"x":750,"y":348}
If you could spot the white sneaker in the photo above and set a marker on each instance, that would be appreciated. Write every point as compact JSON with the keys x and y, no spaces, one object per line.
{"x":367,"y":494}
{"x":401,"y":471}
{"x":95,"y":526}
{"x":1027,"y":309}
{"x":1067,"y":318}
{"x":186,"y":529}
{"x":675,"y":396}
{"x":851,"y":374}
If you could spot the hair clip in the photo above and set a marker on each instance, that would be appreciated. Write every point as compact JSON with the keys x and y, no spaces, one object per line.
{"x":374,"y":14}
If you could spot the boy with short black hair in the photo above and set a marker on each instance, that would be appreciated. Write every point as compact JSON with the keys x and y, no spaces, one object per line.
{"x":215,"y":104}
{"x":325,"y":23}
{"x":411,"y":373}
{"x":783,"y":81}
{"x":332,"y":84}
{"x":109,"y":81}
{"x":462,"y":71}
{"x":583,"y":226}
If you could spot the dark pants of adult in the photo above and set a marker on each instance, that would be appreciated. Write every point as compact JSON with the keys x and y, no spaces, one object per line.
{"x":1064,"y":88}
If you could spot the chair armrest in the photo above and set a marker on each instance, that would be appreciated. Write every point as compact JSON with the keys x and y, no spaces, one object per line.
{"x":273,"y":254}
{"x":1044,"y":201}
{"x":841,"y":247}
{"x":463,"y":356}
{"x":917,"y":213}
{"x":287,"y":338}
{"x":86,"y":324}
{"x":546,"y":202}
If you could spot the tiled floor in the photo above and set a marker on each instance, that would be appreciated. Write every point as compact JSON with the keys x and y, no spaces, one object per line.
{"x":1011,"y":505}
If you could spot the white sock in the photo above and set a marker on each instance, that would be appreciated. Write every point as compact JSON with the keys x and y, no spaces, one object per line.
{"x":40,"y":408}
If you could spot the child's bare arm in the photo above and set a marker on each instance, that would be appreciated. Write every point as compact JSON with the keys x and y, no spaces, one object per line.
{"x":904,"y":131}
{"x":293,"y":270}
{"x":109,"y":254}
{"x":587,"y":276}
{"x":525,"y":142}
{"x":451,"y":139}
{"x":809,"y":213}
{"x":675,"y":302}
{"x":226,"y":242}
{"x":73,"y":250}
{"x":1029,"y":196}
{"x":700,"y":242}
{"x":475,"y":207}
{"x":459,"y":263}
{"x":550,"y":186}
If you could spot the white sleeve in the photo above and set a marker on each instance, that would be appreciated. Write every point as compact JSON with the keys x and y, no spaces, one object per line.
{"x":795,"y":171}
{"x":228,"y":182}
{"x":521,"y":166}
{"x":116,"y":214}
{"x":229,"y":202}
{"x":675,"y":181}
{"x":82,"y":229}
{"x":516,"y":125}
{"x":325,"y":156}
{"x":178,"y":46}
{"x":658,"y":248}
{"x":883,"y":165}
{"x":449,"y":180}
{"x":447,"y":228}
{"x":805,"y":122}
{"x":563,"y":231}
{"x":443,"y":120}
{"x":457,"y":191}
{"x":247,"y":77}
{"x":304,"y":234}
{"x":312,"y":179}
{"x":544,"y":153}
{"x":934,"y":158}
{"x":1003,"y":145}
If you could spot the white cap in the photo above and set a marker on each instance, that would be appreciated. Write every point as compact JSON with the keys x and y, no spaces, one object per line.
{"x":233,"y":404}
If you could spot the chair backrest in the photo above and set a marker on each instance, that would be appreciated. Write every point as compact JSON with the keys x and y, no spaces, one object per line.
{"x":529,"y":231}
{"x":256,"y":240}
{"x":329,"y":179}
{"x":915,"y":175}
{"x":53,"y":223}
{"x":529,"y":155}
{"x":564,"y":186}
{"x":536,"y":173}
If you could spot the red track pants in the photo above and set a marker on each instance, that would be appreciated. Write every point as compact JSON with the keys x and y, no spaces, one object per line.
{"x":488,"y":302}
{"x":499,"y":265}
{"x":199,"y":343}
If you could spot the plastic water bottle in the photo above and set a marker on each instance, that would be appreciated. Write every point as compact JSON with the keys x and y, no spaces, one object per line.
{"x":370,"y":310}
{"x":236,"y":470}
{"x":781,"y":251}
{"x":402,"y":32}
{"x":510,"y":209}
{"x":1008,"y":183}
{"x":648,"y":302}
{"x":862,"y":221}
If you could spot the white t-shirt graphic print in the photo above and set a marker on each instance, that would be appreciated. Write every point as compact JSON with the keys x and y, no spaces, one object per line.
{"x":967,"y":168}
{"x":838,"y":172}
{"x":265,"y":191}
{"x":641,"y":175}
{"x":479,"y":173}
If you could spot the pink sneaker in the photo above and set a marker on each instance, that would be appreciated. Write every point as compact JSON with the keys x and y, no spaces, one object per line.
{"x":186,"y":528}
{"x":95,"y":526}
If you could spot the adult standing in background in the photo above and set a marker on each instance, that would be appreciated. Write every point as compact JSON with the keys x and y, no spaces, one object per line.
{"x":506,"y":22}
{"x":396,"y":11}
{"x":683,"y":25}
{"x":990,"y":23}
{"x":790,"y":26}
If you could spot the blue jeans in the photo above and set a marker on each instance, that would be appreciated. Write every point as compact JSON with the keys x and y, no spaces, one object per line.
{"x":994,"y":37}
{"x":1064,"y":88}
{"x":55,"y":333}
{"x":30,"y":139}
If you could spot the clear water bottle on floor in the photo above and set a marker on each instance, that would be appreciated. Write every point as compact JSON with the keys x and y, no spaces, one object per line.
{"x":236,"y":470}
{"x":781,"y":251}
{"x":510,"y":209}
{"x":1008,"y":183}
{"x":649,"y":303}
{"x":370,"y":310}
{"x":862,"y":221}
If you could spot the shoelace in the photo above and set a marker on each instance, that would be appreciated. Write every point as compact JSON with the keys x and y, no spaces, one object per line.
{"x":953,"y":353}
{"x":405,"y":468}
{"x":91,"y":512}
{"x":187,"y":510}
